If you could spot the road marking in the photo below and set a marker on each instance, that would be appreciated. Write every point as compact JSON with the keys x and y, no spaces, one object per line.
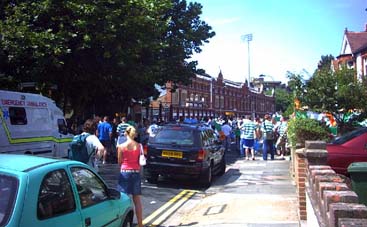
{"x":168,"y":208}
{"x":171,"y":210}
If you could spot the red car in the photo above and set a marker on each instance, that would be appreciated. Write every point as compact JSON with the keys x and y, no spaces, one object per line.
{"x":346,"y":149}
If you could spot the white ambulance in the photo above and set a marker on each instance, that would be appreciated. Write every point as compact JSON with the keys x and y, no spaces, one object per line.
{"x":32,"y":124}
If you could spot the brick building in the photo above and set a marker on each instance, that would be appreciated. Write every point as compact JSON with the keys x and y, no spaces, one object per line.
{"x":207,"y":96}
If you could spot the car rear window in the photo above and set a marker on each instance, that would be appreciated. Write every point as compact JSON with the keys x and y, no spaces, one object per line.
{"x":348,"y":136}
{"x":177,"y":136}
{"x":8,"y":193}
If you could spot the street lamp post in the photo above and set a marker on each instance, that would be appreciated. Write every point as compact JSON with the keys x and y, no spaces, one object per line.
{"x":247,"y":38}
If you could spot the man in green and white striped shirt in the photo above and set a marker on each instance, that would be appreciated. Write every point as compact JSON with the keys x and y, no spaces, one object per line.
{"x":121,"y":130}
{"x":247,"y":128}
{"x":267,"y":127}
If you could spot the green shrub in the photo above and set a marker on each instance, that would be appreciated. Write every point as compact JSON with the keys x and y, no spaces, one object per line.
{"x":302,"y":129}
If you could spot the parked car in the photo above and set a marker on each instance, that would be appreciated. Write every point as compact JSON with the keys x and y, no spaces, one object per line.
{"x":185,"y":150}
{"x":39,"y":191}
{"x":346,"y":149}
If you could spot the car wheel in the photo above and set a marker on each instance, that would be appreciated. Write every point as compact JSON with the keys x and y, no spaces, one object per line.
{"x":128,"y":222}
{"x":153,"y":178}
{"x":222,"y":167}
{"x":207,"y":177}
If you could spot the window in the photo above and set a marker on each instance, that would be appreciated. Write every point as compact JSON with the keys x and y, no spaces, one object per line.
{"x":205,"y":138}
{"x":62,"y":126}
{"x":183,"y":97}
{"x":17,"y":116}
{"x":211,"y":136}
{"x":8,"y":192}
{"x":55,"y":196}
{"x":91,"y":189}
{"x":349,"y":136}
{"x":216,"y":101}
{"x":177,"y":136}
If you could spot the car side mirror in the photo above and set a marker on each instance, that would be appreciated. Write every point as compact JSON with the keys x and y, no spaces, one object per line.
{"x":113,"y":194}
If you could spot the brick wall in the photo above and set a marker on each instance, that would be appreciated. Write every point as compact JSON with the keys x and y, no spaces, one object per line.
{"x":332,"y":200}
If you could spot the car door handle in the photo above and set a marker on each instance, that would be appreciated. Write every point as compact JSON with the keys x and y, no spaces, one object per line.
{"x":87,"y":222}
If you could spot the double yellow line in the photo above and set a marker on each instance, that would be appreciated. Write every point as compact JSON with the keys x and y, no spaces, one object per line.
{"x":162,"y":214}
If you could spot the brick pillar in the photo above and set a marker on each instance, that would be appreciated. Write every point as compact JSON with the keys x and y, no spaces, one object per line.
{"x":316,"y":153}
{"x":300,"y":178}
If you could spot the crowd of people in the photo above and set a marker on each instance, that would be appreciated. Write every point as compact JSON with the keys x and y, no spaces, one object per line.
{"x":120,"y":141}
{"x":251,"y":136}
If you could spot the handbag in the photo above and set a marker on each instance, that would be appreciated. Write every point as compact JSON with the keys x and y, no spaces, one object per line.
{"x":142,"y":158}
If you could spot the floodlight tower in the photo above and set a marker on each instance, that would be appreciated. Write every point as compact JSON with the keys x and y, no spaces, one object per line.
{"x":247,"y":38}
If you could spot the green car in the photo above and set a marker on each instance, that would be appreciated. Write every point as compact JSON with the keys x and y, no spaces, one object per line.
{"x":38,"y":191}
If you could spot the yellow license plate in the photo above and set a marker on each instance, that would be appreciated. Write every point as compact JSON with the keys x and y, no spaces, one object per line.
{"x":172,"y":154}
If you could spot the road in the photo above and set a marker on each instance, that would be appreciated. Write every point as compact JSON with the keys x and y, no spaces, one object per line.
{"x":163,"y":199}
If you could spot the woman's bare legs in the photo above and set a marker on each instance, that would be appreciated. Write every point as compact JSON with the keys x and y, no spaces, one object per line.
{"x":138,"y":210}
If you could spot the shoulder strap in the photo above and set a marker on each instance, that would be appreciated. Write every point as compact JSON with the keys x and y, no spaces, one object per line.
{"x":141,"y":148}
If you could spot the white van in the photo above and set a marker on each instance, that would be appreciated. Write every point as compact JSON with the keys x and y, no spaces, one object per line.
{"x":32,"y":124}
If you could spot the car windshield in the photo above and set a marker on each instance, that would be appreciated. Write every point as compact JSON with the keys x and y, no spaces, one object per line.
{"x":175,"y":136}
{"x":348,"y":136}
{"x":8,"y":192}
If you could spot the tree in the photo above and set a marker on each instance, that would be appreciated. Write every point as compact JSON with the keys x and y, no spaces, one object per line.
{"x":103,"y":52}
{"x":325,"y":62}
{"x":337,"y":93}
{"x":283,"y":99}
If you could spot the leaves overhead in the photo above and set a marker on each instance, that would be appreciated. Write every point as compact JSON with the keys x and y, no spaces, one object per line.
{"x":106,"y":51}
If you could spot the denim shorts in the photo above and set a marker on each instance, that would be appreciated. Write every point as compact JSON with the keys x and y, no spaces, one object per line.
{"x":129,"y":183}
{"x":248,"y":143}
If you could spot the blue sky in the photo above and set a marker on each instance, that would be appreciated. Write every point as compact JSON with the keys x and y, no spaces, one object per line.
{"x":288,"y":35}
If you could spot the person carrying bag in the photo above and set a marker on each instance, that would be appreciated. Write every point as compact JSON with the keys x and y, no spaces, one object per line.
{"x":129,"y":156}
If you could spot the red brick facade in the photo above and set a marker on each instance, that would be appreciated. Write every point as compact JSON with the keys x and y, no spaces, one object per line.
{"x":207,"y":96}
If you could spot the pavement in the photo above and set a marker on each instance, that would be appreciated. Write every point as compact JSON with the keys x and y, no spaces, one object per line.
{"x":250,"y":194}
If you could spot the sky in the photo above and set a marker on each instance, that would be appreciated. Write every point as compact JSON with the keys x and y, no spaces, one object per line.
{"x":287,"y":35}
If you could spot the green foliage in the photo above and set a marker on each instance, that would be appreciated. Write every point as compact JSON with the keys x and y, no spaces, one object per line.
{"x":302,"y":129}
{"x":289,"y":111}
{"x":100,"y":51}
{"x":283,"y":99}
{"x":296,"y":84}
{"x":336,"y":93}
{"x":325,"y":62}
